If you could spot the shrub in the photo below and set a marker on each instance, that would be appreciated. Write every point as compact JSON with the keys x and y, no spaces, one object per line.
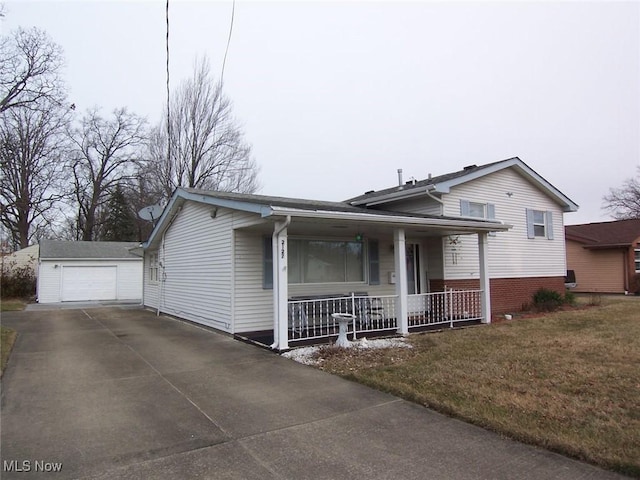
{"x":18,"y":282}
{"x":595,"y":299}
{"x":546,"y":300}
{"x":569,"y":298}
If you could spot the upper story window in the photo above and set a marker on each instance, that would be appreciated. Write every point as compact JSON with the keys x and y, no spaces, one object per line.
{"x":477,"y":209}
{"x":637,"y":252}
{"x":539,"y":224}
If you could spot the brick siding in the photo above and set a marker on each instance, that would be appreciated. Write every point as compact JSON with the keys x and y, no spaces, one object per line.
{"x":507,"y":294}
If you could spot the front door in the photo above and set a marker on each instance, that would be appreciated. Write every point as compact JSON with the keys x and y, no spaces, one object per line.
{"x":416,"y":274}
{"x":413,"y":268}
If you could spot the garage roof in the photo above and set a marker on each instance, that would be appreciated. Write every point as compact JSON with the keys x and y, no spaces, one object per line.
{"x":58,"y":249}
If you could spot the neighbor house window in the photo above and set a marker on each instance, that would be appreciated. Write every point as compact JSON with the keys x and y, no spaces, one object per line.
{"x":637,"y":252}
{"x":539,"y":224}
{"x":322,"y":261}
{"x":153,"y":267}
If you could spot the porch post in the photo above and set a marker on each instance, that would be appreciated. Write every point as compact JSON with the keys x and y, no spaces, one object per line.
{"x":485,"y":284}
{"x":280,"y":287}
{"x":400,"y":258}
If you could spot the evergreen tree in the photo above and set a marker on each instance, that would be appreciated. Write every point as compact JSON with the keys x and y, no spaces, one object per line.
{"x":119,"y":225}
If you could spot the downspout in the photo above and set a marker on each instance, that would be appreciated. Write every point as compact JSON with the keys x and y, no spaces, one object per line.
{"x":276,"y":259}
{"x":161,"y":267}
{"x":625,"y":265}
{"x":433,"y":197}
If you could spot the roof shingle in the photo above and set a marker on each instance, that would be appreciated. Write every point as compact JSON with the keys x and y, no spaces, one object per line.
{"x":605,"y":234}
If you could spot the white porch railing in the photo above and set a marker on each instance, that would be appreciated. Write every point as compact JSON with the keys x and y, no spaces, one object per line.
{"x":311,"y":318}
{"x":445,"y":307}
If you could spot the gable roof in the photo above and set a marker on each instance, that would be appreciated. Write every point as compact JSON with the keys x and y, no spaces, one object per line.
{"x":279,"y":207}
{"x":59,"y":249}
{"x":617,"y":233}
{"x":442,"y":184}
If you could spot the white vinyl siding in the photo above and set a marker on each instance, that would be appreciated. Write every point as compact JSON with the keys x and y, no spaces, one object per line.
{"x":196,"y":267}
{"x":253,"y":304}
{"x":511,"y":254}
{"x":51,"y":286}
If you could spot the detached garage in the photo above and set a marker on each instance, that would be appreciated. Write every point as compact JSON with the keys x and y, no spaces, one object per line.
{"x":87,"y":271}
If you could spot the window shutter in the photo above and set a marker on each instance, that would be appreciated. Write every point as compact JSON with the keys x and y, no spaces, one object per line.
{"x":465,"y":211}
{"x":267,"y":263}
{"x":374,"y":263}
{"x":549,"y":225}
{"x":530,"y":231}
{"x":491,"y":211}
{"x":491,"y":215}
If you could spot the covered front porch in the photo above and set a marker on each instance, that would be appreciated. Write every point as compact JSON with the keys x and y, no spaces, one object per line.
{"x":312,"y":319}
{"x":397,"y":298}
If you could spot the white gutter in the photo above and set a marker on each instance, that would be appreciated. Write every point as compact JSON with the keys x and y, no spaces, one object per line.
{"x":392,"y":219}
{"x":276,"y":284}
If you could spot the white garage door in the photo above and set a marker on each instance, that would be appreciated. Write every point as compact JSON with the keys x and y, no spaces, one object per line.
{"x":89,"y":283}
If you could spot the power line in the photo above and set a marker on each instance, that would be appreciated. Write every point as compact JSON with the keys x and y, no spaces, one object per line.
{"x":226,"y":51}
{"x":168,"y":90}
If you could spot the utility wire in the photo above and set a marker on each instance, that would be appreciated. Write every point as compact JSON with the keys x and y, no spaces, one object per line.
{"x":226,"y":51}
{"x":168,"y":90}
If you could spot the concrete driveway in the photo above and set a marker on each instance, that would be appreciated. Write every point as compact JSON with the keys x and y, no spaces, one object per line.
{"x":118,"y":393}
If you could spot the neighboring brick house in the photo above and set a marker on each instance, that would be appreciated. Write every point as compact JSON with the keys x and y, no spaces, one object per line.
{"x":605,"y":256}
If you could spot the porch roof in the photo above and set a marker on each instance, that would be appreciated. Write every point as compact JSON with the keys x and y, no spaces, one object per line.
{"x":277,"y":208}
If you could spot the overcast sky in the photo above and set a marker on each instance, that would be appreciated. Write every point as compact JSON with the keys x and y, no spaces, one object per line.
{"x":336,"y":96}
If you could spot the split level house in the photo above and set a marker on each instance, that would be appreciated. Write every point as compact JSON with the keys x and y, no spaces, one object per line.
{"x":459,"y":247}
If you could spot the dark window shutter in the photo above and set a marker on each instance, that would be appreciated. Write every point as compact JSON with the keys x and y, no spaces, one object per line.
{"x":267,"y":263}
{"x":491,"y":211}
{"x":374,"y":263}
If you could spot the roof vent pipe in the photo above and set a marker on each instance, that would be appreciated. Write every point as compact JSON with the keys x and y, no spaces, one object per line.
{"x":400,"y":177}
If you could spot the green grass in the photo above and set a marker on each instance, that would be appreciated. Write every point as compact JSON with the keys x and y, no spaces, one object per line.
{"x":7,"y":339}
{"x":567,"y":381}
{"x":12,"y":305}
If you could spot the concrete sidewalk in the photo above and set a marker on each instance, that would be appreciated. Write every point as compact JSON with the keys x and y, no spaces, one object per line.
{"x":115,"y":393}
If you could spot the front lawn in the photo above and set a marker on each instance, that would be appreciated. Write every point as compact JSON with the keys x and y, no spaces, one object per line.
{"x":567,"y":381}
{"x":12,"y":305}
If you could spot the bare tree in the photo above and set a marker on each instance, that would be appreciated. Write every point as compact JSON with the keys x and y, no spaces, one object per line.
{"x":106,"y":153}
{"x":30,"y":65}
{"x":624,"y":202}
{"x":33,"y":144}
{"x":207,"y":146}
